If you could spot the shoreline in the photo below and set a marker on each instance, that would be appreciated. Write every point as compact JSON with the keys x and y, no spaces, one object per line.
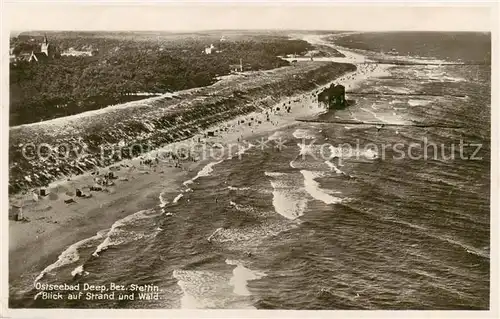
{"x":36,"y":244}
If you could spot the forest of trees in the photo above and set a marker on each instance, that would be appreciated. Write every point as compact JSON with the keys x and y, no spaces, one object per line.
{"x":71,"y":85}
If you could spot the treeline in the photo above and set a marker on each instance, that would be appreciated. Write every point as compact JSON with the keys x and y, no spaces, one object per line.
{"x":71,"y":85}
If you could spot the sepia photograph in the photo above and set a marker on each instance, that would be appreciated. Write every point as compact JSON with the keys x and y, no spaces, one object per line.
{"x":261,"y":156}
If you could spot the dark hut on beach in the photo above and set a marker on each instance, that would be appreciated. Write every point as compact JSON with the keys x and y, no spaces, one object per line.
{"x":333,"y":96}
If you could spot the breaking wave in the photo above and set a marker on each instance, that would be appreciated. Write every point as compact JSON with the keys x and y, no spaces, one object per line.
{"x":419,"y":102}
{"x":70,"y":255}
{"x":177,"y":198}
{"x":288,"y":200}
{"x":313,"y":189}
{"x":347,"y":153}
{"x":205,"y":171}
{"x":232,"y":188}
{"x":117,"y":235}
{"x":241,"y":277}
{"x":303,"y":134}
{"x":163,"y":201}
{"x":79,"y":271}
{"x":203,"y":289}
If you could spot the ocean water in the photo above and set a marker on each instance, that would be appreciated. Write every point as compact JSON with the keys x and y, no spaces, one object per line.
{"x":315,"y":225}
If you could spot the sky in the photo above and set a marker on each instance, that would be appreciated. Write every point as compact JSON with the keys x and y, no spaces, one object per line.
{"x":279,"y":15}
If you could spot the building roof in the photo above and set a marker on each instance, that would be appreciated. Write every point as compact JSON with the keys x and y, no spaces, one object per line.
{"x":39,"y":56}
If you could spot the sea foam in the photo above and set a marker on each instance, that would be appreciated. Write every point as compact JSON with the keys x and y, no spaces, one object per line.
{"x":312,"y":187}
{"x":177,"y":198}
{"x":419,"y":102}
{"x":78,"y":271}
{"x":162,"y":198}
{"x":205,"y":171}
{"x":241,"y":277}
{"x":203,"y":289}
{"x":70,"y":255}
{"x":232,"y":188}
{"x":288,"y":200}
{"x":116,"y":235}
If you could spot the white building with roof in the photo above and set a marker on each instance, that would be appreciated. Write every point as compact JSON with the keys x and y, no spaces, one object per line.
{"x":210,"y":49}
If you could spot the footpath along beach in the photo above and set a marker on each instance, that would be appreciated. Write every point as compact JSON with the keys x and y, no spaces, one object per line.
{"x":55,"y":225}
